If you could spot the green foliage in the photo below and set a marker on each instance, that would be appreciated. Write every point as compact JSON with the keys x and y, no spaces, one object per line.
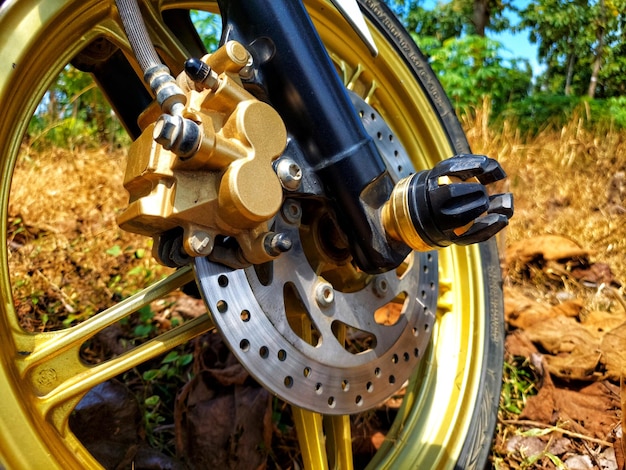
{"x":74,"y":113}
{"x":518,"y":384}
{"x":160,"y":387}
{"x":209,"y":28}
{"x":540,"y":111}
{"x":471,"y":68}
{"x":572,"y":36}
{"x":454,"y":18}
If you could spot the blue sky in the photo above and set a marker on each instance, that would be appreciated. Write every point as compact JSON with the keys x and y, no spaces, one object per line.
{"x":518,"y":44}
{"x":515,"y":45}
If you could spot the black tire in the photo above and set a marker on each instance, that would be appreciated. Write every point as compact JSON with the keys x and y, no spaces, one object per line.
{"x":477,"y":446}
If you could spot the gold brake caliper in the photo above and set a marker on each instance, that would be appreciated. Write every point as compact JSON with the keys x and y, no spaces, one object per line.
{"x":208,"y":169}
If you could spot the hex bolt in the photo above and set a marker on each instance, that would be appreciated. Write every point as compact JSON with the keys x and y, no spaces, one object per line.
{"x":381,"y":286}
{"x":324,"y":294}
{"x":166,"y":131}
{"x":177,"y":134}
{"x":277,"y":243}
{"x":200,"y":243}
{"x":289,"y":173}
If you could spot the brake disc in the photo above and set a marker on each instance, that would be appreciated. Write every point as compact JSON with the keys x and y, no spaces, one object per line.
{"x":347,"y":360}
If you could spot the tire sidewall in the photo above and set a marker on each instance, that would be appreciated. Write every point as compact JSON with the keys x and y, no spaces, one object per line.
{"x":477,"y":444}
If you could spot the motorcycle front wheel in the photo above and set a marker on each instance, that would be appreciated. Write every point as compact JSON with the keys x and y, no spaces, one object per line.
{"x":449,"y":410}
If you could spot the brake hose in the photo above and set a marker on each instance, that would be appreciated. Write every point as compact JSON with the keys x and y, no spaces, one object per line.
{"x":170,"y":97}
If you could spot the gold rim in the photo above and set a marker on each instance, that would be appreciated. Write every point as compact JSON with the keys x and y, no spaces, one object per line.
{"x":41,"y":388}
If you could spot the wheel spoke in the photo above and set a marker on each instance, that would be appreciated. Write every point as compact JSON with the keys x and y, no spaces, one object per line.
{"x":310,"y":430}
{"x":167,"y":44}
{"x":43,"y":347}
{"x":51,"y":361}
{"x":325,"y":441}
{"x":338,"y":441}
{"x":78,"y":384}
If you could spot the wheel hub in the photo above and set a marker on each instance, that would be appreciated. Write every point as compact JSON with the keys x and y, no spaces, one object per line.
{"x":310,"y":340}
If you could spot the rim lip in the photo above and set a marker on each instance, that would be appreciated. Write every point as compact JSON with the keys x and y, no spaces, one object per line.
{"x":21,"y":87}
{"x":466,"y":283}
{"x":438,"y":438}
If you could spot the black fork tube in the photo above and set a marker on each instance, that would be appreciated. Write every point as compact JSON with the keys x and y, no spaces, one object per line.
{"x":299,"y":80}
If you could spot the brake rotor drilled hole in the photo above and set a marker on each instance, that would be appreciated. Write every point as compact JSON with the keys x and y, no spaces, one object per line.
{"x":222,"y":306}
{"x":315,"y":285}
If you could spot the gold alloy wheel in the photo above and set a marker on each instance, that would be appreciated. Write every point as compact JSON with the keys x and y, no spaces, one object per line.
{"x":447,"y":415}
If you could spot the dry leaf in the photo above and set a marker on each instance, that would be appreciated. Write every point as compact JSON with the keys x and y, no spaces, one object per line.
{"x":547,"y":247}
{"x":592,"y":410}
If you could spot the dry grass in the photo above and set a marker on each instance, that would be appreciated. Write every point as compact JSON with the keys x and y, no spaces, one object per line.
{"x":67,"y":257}
{"x":69,"y":260}
{"x":567,"y":181}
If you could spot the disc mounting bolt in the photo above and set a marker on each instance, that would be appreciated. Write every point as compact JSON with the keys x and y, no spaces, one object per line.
{"x":381,"y":287}
{"x":292,"y":212}
{"x":324,"y":294}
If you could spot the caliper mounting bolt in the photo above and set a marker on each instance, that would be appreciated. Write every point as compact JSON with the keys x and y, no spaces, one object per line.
{"x":289,"y":173}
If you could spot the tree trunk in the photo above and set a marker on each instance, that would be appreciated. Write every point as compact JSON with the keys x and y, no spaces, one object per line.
{"x":597,"y":62}
{"x":570,"y":73}
{"x":481,"y":16}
